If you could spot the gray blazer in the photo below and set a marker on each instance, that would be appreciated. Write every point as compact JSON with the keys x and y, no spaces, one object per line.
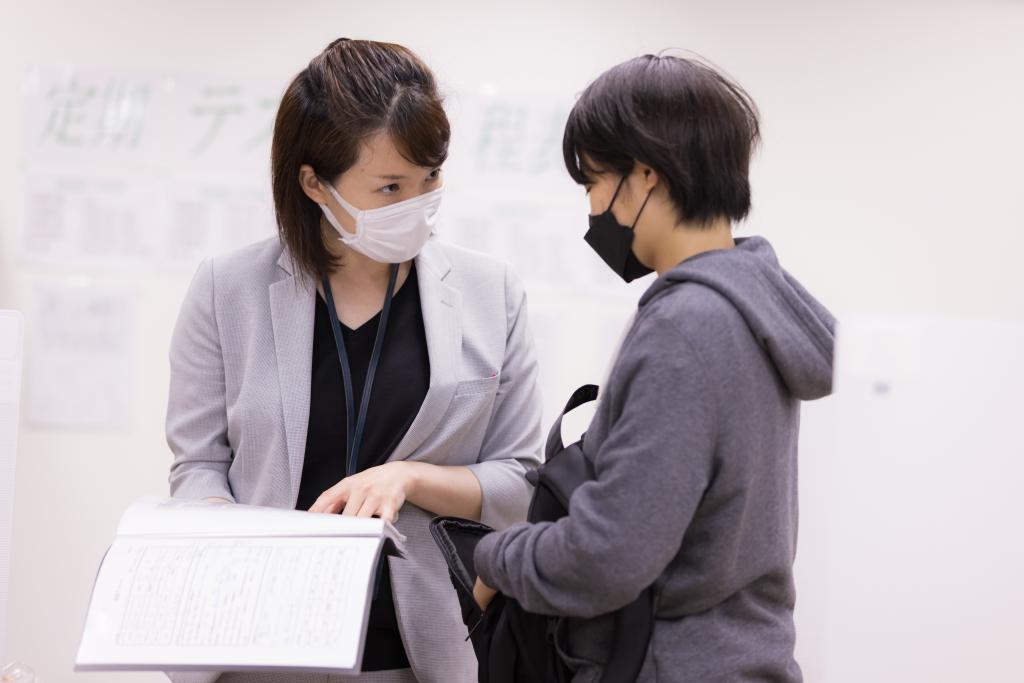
{"x":241,"y":358}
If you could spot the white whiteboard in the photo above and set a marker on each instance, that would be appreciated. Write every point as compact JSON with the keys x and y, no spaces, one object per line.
{"x":11,"y":334}
{"x":925,"y":508}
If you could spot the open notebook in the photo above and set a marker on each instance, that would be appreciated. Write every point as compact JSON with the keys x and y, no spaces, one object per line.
{"x":192,"y":585}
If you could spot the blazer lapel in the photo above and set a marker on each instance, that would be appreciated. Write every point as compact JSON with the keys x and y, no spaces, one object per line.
{"x":441,"y":306}
{"x":292,"y":309}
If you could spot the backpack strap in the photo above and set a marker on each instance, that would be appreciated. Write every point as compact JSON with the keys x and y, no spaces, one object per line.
{"x":585,"y":394}
{"x":581,"y":396}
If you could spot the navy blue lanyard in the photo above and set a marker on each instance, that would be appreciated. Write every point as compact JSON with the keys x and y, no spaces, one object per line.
{"x":355,"y":424}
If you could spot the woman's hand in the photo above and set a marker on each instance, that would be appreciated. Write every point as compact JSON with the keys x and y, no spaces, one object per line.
{"x":483,"y":594}
{"x":379,"y":491}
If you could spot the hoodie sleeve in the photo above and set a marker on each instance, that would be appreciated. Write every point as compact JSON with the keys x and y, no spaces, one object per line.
{"x":624,"y":527}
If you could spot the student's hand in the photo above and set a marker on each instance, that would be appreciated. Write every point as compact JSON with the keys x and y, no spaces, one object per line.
{"x":379,"y":491}
{"x":483,"y":594}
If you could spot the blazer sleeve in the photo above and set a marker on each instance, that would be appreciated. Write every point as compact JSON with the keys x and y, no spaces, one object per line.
{"x":512,"y":444}
{"x":196,"y":408}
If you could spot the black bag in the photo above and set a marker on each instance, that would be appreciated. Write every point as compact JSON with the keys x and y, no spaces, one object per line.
{"x":511,"y":644}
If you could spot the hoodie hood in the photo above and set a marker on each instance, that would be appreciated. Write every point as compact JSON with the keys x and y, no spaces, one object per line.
{"x":794,"y":329}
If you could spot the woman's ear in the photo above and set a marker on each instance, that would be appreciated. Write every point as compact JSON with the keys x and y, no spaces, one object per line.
{"x":311,"y":184}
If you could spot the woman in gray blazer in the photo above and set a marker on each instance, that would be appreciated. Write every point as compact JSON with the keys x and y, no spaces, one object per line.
{"x":355,"y":364}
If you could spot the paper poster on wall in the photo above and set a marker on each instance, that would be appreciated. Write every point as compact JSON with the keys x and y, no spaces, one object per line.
{"x":222,"y":126}
{"x":135,"y":169}
{"x":149,"y":123}
{"x":88,"y":219}
{"x":96,"y":119}
{"x":96,"y":221}
{"x":202,"y":220}
{"x":79,"y":370}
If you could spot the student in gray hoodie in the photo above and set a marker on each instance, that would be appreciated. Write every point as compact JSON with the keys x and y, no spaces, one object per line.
{"x":694,"y":441}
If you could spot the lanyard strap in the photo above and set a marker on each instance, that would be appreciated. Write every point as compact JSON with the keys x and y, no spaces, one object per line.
{"x":355,"y":424}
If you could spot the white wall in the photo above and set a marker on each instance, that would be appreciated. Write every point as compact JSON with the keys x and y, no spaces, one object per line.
{"x":889,"y":180}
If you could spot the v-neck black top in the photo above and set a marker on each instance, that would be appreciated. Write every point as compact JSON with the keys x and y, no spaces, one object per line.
{"x":399,"y":388}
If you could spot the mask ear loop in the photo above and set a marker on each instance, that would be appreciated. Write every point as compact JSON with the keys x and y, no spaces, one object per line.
{"x":637,"y":219}
{"x":342,"y":232}
{"x":612,"y":202}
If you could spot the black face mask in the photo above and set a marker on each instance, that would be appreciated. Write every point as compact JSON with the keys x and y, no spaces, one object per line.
{"x":613,"y":241}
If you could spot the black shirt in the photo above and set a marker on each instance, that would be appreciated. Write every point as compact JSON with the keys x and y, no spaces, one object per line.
{"x":399,"y":388}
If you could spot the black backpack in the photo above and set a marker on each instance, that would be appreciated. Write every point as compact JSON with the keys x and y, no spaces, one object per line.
{"x":511,"y":644}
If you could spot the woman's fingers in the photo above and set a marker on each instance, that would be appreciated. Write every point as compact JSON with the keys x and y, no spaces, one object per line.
{"x":369,"y":507}
{"x":387,"y":512}
{"x":354,"y":502}
{"x":331,"y":500}
{"x":374,"y":492}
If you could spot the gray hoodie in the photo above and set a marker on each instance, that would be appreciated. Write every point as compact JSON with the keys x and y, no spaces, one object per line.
{"x":695,"y":447}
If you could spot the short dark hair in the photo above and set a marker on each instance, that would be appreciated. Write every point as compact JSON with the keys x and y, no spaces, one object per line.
{"x":348,"y":93}
{"x":684,"y":119}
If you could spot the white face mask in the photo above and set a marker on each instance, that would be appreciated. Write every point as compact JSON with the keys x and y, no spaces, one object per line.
{"x":390,"y":234}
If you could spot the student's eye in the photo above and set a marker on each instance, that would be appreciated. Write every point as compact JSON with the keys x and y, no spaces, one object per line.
{"x":389,"y":189}
{"x":435,"y":174}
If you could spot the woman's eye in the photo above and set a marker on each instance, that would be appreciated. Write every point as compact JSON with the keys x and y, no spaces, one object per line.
{"x":435,"y":174}
{"x":389,"y":189}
